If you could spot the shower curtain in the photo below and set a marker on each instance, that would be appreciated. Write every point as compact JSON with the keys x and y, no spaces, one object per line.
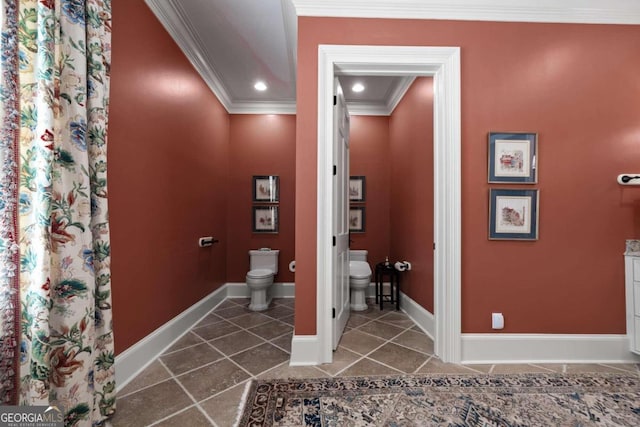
{"x":56,"y":339}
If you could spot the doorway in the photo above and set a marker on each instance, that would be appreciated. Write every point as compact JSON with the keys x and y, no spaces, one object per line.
{"x":443,"y":64}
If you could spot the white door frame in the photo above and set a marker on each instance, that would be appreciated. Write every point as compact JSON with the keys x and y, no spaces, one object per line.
{"x":443,"y":63}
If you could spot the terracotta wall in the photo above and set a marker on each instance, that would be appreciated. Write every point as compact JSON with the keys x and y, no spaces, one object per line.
{"x":168,"y":166}
{"x":411,"y":158}
{"x":577,"y":87}
{"x":369,"y":157}
{"x":260,"y":145}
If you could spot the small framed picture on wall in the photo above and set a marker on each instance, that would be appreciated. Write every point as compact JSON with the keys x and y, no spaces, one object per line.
{"x":356,"y":219}
{"x":266,"y":188}
{"x":512,"y":157}
{"x":357,"y":189}
{"x":265,"y":219}
{"x":513,"y":214}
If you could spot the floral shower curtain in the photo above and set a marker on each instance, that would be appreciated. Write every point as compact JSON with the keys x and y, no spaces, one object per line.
{"x":56,"y":339}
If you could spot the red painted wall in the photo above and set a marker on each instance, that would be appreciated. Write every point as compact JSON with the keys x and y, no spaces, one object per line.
{"x":369,"y":157}
{"x":260,"y":145}
{"x":411,"y":130}
{"x":577,"y":87}
{"x":168,"y":157}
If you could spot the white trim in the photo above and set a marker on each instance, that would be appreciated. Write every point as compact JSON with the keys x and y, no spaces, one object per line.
{"x":569,"y":11}
{"x":443,"y":63}
{"x":304,"y":350}
{"x":284,"y":107}
{"x":136,"y":358}
{"x":277,"y":290}
{"x":420,"y":315}
{"x":546,"y":348}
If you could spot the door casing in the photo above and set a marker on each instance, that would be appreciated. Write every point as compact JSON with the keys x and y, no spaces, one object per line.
{"x":443,"y":64}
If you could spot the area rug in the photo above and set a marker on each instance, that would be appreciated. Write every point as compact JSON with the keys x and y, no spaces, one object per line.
{"x":445,"y":400}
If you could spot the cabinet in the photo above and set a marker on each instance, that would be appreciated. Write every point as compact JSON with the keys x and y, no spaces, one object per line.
{"x":632,"y":285}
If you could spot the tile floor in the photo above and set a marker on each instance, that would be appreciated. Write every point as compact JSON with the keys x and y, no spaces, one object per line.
{"x":199,"y":381}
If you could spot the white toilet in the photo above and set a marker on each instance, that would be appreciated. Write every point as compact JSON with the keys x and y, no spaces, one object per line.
{"x":263,"y":265}
{"x":359,"y":278}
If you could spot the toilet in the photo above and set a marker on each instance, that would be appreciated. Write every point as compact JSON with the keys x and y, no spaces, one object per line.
{"x":359,"y":278}
{"x":263,"y":265}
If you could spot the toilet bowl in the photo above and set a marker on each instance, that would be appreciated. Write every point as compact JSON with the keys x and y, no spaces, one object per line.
{"x":263,"y":264}
{"x":359,"y":279}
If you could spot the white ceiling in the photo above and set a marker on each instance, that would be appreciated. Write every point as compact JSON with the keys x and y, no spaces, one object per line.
{"x":234,"y":43}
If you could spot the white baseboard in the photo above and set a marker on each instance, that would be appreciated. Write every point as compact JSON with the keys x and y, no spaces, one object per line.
{"x":278,"y":290}
{"x":420,"y":315}
{"x":546,"y":348}
{"x":136,"y":358}
{"x":305,"y":350}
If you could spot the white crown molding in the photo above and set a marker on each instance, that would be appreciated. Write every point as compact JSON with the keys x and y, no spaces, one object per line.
{"x":363,"y":108}
{"x":284,"y":107}
{"x":398,"y":93}
{"x":565,"y":11}
{"x":183,"y":34}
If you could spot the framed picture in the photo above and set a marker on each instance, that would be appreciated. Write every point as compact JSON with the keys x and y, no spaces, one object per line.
{"x":356,"y":219}
{"x":266,"y":188}
{"x":265,"y":219}
{"x":356,"y":189}
{"x":512,"y":157}
{"x":513,"y":214}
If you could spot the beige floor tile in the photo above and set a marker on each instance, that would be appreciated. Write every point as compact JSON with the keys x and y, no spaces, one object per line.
{"x":578,"y":368}
{"x":231,"y":312}
{"x":519,"y":368}
{"x":401,"y":358}
{"x":259,"y":359}
{"x":555,"y":367}
{"x":436,"y":366}
{"x":236,"y":342}
{"x":211,"y":379}
{"x":631,"y":368}
{"x":250,"y":320}
{"x":284,"y":342}
{"x":191,"y":417}
{"x":416,"y":341}
{"x":397,"y":318}
{"x":190,"y":358}
{"x":360,"y":342}
{"x":341,"y":359}
{"x":154,"y":373}
{"x":382,"y":330}
{"x":367,"y":367}
{"x":223,"y":408}
{"x":355,"y":320}
{"x":285,"y":371}
{"x":187,"y":340}
{"x":271,"y":329}
{"x":151,"y":404}
{"x":215,"y":330}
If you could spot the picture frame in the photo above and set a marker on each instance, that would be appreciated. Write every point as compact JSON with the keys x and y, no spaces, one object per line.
{"x":513,"y":157}
{"x":265,"y":219}
{"x":266,"y":188}
{"x":357,"y":188}
{"x":357,"y":219}
{"x":513,"y":214}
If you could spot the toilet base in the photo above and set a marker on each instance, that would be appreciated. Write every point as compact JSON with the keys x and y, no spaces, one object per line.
{"x":260,"y":300}
{"x":358,"y":302}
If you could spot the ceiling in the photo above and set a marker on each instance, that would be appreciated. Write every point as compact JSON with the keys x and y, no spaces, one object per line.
{"x":235,"y":43}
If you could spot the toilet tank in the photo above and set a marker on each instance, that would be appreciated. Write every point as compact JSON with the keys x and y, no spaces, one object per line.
{"x":358,"y":255}
{"x":264,"y":258}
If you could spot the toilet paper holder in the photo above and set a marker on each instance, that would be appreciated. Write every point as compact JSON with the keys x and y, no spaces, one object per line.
{"x":206,"y":241}
{"x":402,"y":265}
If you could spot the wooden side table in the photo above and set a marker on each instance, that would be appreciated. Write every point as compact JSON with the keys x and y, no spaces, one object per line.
{"x":387,"y":270}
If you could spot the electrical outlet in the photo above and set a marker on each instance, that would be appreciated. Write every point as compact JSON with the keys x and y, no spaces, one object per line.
{"x":497,"y":321}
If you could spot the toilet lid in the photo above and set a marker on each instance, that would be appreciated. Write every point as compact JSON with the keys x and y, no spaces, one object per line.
{"x":260,"y":273}
{"x":359,"y":269}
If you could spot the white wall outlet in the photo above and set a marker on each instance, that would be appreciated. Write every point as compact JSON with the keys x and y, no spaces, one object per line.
{"x":497,"y":321}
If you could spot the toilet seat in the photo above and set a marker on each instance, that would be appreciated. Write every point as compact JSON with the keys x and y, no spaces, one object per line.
{"x":260,"y":273}
{"x":359,"y":270}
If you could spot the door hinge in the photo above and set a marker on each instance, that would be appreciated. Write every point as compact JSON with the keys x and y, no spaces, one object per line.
{"x":335,"y":170}
{"x":333,"y":313}
{"x":434,"y":246}
{"x":334,"y":240}
{"x":335,"y":100}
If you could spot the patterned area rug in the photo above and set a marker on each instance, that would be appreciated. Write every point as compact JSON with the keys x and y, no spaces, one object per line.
{"x":446,"y":400}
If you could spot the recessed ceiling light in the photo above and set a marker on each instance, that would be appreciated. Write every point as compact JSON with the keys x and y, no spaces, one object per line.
{"x":358,"y":87}
{"x":261,"y":86}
